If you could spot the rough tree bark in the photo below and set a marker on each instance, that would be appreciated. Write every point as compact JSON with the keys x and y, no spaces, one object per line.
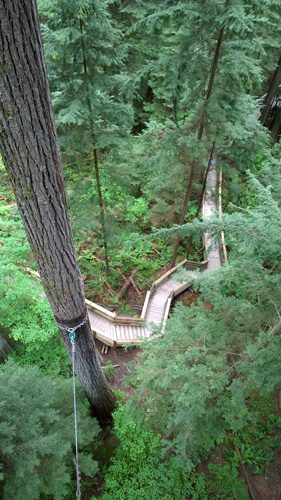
{"x":272,"y":90}
{"x":29,"y":146}
{"x":276,"y":126}
{"x":199,"y":130}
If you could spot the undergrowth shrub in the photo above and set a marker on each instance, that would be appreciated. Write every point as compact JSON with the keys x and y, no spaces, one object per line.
{"x":140,"y":470}
{"x":224,"y":483}
{"x":36,"y":435}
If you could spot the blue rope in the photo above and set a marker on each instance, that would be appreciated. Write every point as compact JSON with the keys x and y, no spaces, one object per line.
{"x":72,"y":336}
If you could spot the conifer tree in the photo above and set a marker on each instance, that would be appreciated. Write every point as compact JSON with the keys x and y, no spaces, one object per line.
{"x":36,"y":434}
{"x":207,"y":61}
{"x":85,"y":52}
{"x":223,"y":350}
{"x":30,"y":151}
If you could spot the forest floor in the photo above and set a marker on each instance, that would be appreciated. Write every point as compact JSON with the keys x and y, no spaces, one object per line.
{"x":122,"y":361}
{"x":130,"y":303}
{"x":268,"y":487}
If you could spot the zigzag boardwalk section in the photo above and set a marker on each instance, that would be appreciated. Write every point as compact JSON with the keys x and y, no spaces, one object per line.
{"x":114,"y":330}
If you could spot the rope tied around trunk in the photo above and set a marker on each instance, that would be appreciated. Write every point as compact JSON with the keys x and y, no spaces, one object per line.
{"x":72,"y":337}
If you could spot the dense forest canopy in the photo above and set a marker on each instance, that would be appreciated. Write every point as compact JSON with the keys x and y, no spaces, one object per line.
{"x":149,"y":97}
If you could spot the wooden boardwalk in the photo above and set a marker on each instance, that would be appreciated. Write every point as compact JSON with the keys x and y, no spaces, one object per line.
{"x":114,"y":330}
{"x":210,"y":204}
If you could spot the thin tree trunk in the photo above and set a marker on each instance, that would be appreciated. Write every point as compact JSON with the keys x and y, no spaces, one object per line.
{"x":200,"y":202}
{"x":209,"y":92}
{"x":189,"y":182}
{"x":29,"y":146}
{"x":102,"y":211}
{"x":273,"y":87}
{"x":276,"y":126}
{"x":96,"y":164}
{"x":200,"y":130}
{"x":175,"y":110}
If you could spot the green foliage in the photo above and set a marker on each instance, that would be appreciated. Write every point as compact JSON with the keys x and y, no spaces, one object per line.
{"x":5,"y":187}
{"x":85,"y":52}
{"x":36,"y":434}
{"x":177,"y":44}
{"x":138,"y":469}
{"x":217,"y":352}
{"x":26,"y":312}
{"x":24,"y":309}
{"x":109,"y":371}
{"x":225,"y":484}
{"x":14,"y":248}
{"x":138,"y":213}
{"x":49,"y":354}
{"x":256,"y":444}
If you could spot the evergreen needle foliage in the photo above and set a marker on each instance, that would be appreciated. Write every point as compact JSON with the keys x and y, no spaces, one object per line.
{"x":144,"y":93}
{"x":36,"y":434}
{"x":198,"y":382}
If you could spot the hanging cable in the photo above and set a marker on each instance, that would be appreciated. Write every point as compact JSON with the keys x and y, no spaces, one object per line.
{"x":72,"y":337}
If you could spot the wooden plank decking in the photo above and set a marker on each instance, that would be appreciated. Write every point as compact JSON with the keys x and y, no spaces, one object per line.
{"x":114,"y":330}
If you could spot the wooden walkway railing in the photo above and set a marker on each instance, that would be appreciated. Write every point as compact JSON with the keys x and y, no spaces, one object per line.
{"x":122,"y":331}
{"x":114,"y":330}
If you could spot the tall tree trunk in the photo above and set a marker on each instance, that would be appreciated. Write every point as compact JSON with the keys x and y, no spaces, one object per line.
{"x":200,"y":202}
{"x":29,"y":146}
{"x":209,"y":92}
{"x":273,"y":87}
{"x":96,"y":164}
{"x":188,"y":188}
{"x":276,"y":126}
{"x":199,"y":206}
{"x":102,"y":211}
{"x":200,"y":130}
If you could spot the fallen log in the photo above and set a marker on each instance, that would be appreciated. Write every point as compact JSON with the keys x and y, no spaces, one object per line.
{"x":111,"y":292}
{"x":134,"y":285}
{"x":252,"y":490}
{"x":126,"y":283}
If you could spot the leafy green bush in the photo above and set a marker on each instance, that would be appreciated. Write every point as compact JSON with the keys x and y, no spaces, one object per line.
{"x":24,"y":309}
{"x":139,"y":469}
{"x":36,"y":434}
{"x":138,"y":213}
{"x":109,"y":371}
{"x":48,"y":354}
{"x":256,"y":444}
{"x":28,"y":316}
{"x":225,"y":484}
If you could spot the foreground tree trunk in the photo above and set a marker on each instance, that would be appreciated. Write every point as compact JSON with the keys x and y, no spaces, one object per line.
{"x":29,"y":146}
